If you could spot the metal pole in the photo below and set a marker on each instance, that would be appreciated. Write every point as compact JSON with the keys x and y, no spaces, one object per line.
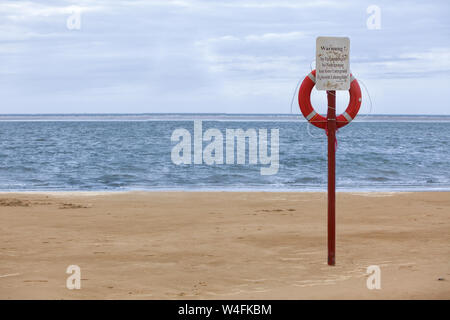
{"x":331,"y":130}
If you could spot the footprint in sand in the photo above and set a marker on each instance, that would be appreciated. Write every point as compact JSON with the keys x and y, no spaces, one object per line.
{"x":14,"y":203}
{"x":275,"y":210}
{"x":73,"y":206}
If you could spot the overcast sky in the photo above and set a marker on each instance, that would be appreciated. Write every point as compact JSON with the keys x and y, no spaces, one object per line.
{"x":215,"y":56}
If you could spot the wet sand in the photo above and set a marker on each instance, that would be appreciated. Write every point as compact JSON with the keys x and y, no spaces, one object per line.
{"x":223,"y":245}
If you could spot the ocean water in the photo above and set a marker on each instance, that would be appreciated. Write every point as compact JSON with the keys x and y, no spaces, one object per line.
{"x":134,"y":153}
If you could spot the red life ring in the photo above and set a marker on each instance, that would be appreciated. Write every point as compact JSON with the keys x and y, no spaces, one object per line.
{"x":304,"y":101}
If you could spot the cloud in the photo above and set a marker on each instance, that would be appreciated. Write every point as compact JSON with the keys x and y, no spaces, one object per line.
{"x":253,"y":55}
{"x":207,"y":56}
{"x":434,"y":61}
{"x":271,"y":36}
{"x":18,"y":11}
{"x":283,"y":4}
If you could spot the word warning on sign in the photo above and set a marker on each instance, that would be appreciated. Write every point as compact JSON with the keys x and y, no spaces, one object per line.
{"x":332,"y":63}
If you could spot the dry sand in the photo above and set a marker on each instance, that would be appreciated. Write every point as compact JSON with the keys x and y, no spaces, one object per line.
{"x":223,"y":245}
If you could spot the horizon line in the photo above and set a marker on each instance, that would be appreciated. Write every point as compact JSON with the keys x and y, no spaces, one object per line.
{"x":207,"y":113}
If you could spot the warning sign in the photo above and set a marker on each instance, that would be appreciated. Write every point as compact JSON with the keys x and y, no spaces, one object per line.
{"x":332,"y":63}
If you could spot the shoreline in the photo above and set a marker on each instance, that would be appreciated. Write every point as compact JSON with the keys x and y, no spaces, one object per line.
{"x":338,"y":191}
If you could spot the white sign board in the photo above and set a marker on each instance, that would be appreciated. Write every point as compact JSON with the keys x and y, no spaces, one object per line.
{"x":332,"y":63}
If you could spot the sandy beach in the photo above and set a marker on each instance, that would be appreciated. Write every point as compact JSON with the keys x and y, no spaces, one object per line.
{"x":223,"y":245}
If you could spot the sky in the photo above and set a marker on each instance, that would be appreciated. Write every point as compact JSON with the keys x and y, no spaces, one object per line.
{"x":163,"y":56}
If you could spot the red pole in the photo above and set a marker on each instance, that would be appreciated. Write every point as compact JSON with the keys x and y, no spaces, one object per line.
{"x":331,"y":130}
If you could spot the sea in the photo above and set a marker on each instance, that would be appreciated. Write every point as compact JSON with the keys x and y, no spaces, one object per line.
{"x":119,"y":152}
